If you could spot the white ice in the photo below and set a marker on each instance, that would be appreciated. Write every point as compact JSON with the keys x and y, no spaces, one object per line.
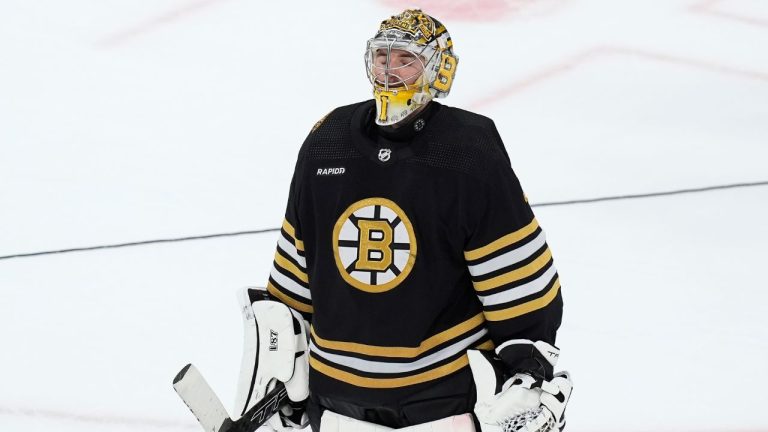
{"x":124,"y":121}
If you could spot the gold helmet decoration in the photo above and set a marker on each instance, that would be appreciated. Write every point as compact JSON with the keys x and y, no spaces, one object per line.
{"x":410,"y":61}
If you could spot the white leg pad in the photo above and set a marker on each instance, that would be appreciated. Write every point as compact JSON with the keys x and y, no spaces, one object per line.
{"x":333,"y":422}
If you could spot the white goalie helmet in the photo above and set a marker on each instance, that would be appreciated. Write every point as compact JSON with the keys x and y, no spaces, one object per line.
{"x":409,"y":62}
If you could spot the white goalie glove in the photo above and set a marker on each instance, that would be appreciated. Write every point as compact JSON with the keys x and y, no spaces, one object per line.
{"x":274,"y":349}
{"x":525,"y":403}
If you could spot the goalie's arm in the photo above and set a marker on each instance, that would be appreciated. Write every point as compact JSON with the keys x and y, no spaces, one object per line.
{"x":288,"y":279}
{"x":512,"y":270}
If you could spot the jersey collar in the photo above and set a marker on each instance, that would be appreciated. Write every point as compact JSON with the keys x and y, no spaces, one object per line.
{"x":386,"y":151}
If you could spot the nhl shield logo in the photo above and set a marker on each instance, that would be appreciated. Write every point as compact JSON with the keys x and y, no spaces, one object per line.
{"x":385,"y":154}
{"x":374,"y":245}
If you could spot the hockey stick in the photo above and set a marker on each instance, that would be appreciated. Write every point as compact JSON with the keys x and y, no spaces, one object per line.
{"x":210,"y":412}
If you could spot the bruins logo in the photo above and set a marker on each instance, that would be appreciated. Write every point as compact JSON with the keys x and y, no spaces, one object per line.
{"x":412,"y":21}
{"x":374,"y":245}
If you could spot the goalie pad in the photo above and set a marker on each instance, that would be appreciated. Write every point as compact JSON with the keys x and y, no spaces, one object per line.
{"x":274,"y":348}
{"x":334,"y":422}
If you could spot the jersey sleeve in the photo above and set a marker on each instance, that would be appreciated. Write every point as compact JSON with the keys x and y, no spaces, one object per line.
{"x":512,"y":270}
{"x":288,"y":278}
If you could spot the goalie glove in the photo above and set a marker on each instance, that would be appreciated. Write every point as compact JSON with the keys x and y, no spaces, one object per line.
{"x":274,"y":349}
{"x":523,"y":403}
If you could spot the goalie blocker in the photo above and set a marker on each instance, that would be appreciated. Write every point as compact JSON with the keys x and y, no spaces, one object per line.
{"x":273,"y":380}
{"x":274,"y":351}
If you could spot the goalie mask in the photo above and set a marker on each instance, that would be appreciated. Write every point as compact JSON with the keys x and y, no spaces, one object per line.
{"x":410,"y":61}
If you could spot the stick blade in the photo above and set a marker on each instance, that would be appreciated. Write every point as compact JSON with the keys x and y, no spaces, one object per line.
{"x":194,"y":390}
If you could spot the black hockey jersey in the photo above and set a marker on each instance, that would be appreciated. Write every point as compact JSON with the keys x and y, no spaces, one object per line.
{"x":404,"y":256}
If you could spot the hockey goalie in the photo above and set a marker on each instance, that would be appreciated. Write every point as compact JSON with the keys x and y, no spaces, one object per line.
{"x":412,"y":287}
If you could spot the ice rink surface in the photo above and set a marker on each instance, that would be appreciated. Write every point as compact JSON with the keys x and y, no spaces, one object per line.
{"x":124,"y":121}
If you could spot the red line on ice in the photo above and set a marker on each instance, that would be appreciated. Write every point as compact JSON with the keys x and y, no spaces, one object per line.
{"x":478,"y":10}
{"x":700,"y":64}
{"x":96,"y":419}
{"x":536,"y":78}
{"x":603,"y":51}
{"x":709,"y":7}
{"x":152,"y":24}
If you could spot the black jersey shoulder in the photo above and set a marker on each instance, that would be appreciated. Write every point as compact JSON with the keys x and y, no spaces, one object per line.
{"x":463,"y":141}
{"x":468,"y":118}
{"x":330,"y":138}
{"x":480,"y":130}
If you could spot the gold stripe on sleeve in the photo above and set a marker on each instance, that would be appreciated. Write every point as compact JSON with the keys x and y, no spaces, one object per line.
{"x":382,"y":383}
{"x":402,"y":352}
{"x":517,"y":274}
{"x":505,"y":241}
{"x":291,"y":267}
{"x":525,"y":308}
{"x":292,"y":232}
{"x":299,"y":306}
{"x":486,"y":346}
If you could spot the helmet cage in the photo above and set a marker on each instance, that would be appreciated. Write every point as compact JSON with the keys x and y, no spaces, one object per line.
{"x":400,"y":87}
{"x":388,"y":77}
